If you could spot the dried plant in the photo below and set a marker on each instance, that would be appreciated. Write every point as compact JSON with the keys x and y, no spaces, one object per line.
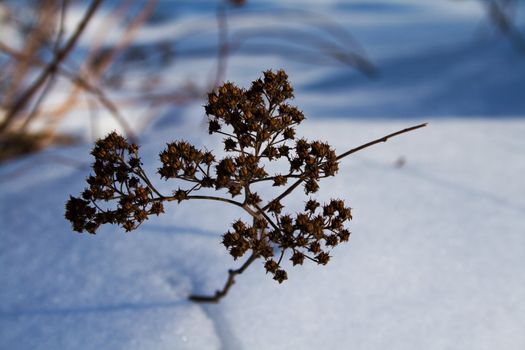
{"x":258,"y":126}
{"x":25,"y":90}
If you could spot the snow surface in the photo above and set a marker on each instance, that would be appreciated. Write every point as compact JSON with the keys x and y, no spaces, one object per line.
{"x":436,"y":257}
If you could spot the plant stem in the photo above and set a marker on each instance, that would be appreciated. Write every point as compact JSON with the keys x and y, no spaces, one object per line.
{"x":219,"y":294}
{"x":379,"y":140}
{"x":52,"y":67}
{"x":212,"y":198}
{"x":342,"y":155}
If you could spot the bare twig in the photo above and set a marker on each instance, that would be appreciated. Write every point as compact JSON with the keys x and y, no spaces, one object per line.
{"x":77,"y":79}
{"x":342,"y":155}
{"x":219,"y":294}
{"x":52,"y":79}
{"x":97,"y":65}
{"x":35,"y":40}
{"x":22,"y":101}
{"x":379,"y":140}
{"x":211,"y":198}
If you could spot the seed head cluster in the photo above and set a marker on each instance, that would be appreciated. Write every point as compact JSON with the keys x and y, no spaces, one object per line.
{"x":258,"y":127}
{"x":118,"y":181}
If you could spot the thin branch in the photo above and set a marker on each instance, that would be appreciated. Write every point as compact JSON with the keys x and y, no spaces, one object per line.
{"x":36,"y":107}
{"x":51,"y":81}
{"x":60,"y":33}
{"x":272,"y":178}
{"x":77,"y":79}
{"x":281,"y":257}
{"x":286,"y":192}
{"x":354,"y":150}
{"x":51,"y":68}
{"x":379,"y":140}
{"x":219,"y":294}
{"x":142,"y":174}
{"x":104,"y":101}
{"x":96,"y":64}
{"x":211,"y":198}
{"x":270,"y":221}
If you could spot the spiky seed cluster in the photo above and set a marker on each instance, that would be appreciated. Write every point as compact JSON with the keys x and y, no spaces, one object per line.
{"x":263,"y":127}
{"x":310,"y":234}
{"x":243,"y":237}
{"x":183,"y":161}
{"x":259,"y":121}
{"x":313,"y":160}
{"x":118,"y":178}
{"x":258,"y":126}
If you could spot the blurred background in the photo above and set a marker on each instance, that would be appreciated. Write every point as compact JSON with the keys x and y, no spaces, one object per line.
{"x":73,"y":70}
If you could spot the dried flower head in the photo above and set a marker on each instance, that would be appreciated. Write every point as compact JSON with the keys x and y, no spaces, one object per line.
{"x":258,"y":126}
{"x":117,"y":191}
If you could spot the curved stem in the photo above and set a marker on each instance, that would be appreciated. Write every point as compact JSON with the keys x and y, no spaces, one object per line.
{"x":287,"y":192}
{"x":212,"y":198}
{"x":270,"y":221}
{"x":219,"y":294}
{"x":379,"y":140}
{"x":342,"y":155}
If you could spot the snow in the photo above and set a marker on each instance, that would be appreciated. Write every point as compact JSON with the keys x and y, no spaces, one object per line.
{"x":436,"y":256}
